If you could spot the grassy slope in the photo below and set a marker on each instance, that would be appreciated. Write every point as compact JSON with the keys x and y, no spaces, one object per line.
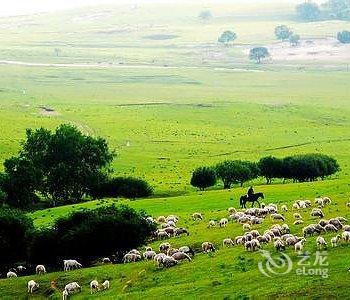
{"x":229,"y":272}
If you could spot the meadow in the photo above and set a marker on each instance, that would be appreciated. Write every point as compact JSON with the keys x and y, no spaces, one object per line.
{"x":154,"y":82}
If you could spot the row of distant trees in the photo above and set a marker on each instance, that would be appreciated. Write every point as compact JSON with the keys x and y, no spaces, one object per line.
{"x":331,"y":9}
{"x":62,"y":167}
{"x":299,"y":168}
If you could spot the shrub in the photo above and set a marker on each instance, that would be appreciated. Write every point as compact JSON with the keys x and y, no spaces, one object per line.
{"x":283,"y":32}
{"x":15,"y":231}
{"x":90,"y":234}
{"x":203,"y":177}
{"x":344,"y":37}
{"x":308,"y":11}
{"x":127,"y":187}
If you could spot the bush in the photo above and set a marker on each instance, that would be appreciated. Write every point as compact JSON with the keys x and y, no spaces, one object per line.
{"x":127,"y":187}
{"x":308,"y":11}
{"x":15,"y":231}
{"x":90,"y":234}
{"x":258,"y":54}
{"x":344,"y":37}
{"x":203,"y":177}
{"x":283,"y":32}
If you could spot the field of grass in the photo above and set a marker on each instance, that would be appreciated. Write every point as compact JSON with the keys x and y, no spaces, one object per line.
{"x":153,"y":81}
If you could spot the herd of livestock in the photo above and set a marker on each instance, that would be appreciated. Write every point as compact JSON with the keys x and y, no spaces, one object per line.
{"x":278,"y":235}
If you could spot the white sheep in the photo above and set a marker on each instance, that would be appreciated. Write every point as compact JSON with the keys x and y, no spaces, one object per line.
{"x":40,"y":269}
{"x":348,"y":205}
{"x":65,"y":295}
{"x":284,"y":208}
{"x":70,"y":264}
{"x":231,"y":210}
{"x":150,"y":254}
{"x":162,"y":235}
{"x":163,"y":247}
{"x":317,"y":212}
{"x":11,"y":274}
{"x":321,"y":243}
{"x":208,"y":247}
{"x":335,"y":240}
{"x":131,"y":257}
{"x":94,"y":286}
{"x":161,"y":219}
{"x":346,"y":236}
{"x":159,"y":258}
{"x":197,"y":216}
{"x":105,"y":285}
{"x":181,"y":256}
{"x":212,"y":223}
{"x":71,"y":288}
{"x":227,"y":242}
{"x":298,"y":247}
{"x":297,"y":216}
{"x":223,"y":222}
{"x":32,"y":285}
{"x":277,"y":217}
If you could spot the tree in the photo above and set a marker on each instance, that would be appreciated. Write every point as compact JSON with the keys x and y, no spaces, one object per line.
{"x":15,"y":231}
{"x":203,"y":178}
{"x":338,"y":9}
{"x":90,"y":234}
{"x":294,"y":39}
{"x":270,"y":167}
{"x":308,"y":11}
{"x":283,"y":32}
{"x":61,"y":166}
{"x":344,"y":37}
{"x":205,"y":15}
{"x":227,"y":37}
{"x":258,"y":54}
{"x":20,"y":181}
{"x":236,"y":171}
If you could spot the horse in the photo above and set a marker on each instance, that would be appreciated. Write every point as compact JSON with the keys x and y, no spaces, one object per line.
{"x":252,"y":198}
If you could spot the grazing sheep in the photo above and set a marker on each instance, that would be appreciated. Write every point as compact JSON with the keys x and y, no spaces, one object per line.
{"x":248,"y":246}
{"x":171,"y":224}
{"x":32,"y":285}
{"x":168,"y":261}
{"x":170,"y":230}
{"x":208,"y":247}
{"x":212,"y":223}
{"x":223,"y":222}
{"x":330,"y":228}
{"x":231,"y":210}
{"x":105,"y":285}
{"x":135,"y":251}
{"x":336,"y":223}
{"x":187,"y":250}
{"x":11,"y":274}
{"x":321,"y":243}
{"x":346,"y":236}
{"x":346,"y":228}
{"x":298,"y":222}
{"x":20,"y":269}
{"x":181,"y":256}
{"x":227,"y":242}
{"x":162,"y":235}
{"x":277,"y":217}
{"x":246,"y":227}
{"x":298,"y":247}
{"x":161,"y":219}
{"x":278,"y":244}
{"x":323,"y":223}
{"x":197,"y":216}
{"x":181,"y":230}
{"x":291,"y":241}
{"x":285,"y":229}
{"x":163,"y":247}
{"x":316,"y":212}
{"x":263,"y":239}
{"x":131,"y":257}
{"x":348,"y":205}
{"x":159,"y":258}
{"x":171,"y":251}
{"x":94,"y":286}
{"x":72,"y":287}
{"x":40,"y":269}
{"x":150,"y":254}
{"x":284,"y":208}
{"x":335,"y":240}
{"x":341,"y":219}
{"x":106,"y":260}
{"x":297,"y":216}
{"x":70,"y":264}
{"x":172,"y":218}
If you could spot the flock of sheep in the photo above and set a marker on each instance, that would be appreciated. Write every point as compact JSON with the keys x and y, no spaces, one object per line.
{"x":278,"y":235}
{"x":69,"y":289}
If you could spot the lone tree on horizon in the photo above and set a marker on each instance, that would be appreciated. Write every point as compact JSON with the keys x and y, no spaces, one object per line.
{"x":258,"y":54}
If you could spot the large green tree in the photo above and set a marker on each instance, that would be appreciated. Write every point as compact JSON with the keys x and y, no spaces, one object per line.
{"x":60,"y":165}
{"x":338,"y":9}
{"x":308,"y":11}
{"x":227,"y":37}
{"x":283,"y":32}
{"x":258,"y":54}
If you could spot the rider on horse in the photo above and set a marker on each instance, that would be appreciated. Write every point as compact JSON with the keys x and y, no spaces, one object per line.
{"x":250,"y":192}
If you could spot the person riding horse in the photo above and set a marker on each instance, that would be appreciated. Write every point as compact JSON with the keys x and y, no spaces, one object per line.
{"x":250,"y":192}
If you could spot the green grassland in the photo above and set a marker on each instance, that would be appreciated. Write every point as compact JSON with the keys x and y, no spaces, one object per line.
{"x":154,"y":76}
